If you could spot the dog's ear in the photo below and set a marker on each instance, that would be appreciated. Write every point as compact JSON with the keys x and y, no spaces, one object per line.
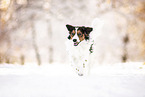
{"x":88,"y":30}
{"x":70,"y":27}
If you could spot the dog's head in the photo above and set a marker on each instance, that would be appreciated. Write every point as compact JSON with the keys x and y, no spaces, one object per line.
{"x":78,"y":33}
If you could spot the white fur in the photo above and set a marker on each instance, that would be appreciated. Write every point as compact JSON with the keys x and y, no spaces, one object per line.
{"x":97,"y":26}
{"x":79,"y":55}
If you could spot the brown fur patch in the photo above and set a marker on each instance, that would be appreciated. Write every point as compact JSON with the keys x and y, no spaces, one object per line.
{"x":72,"y":33}
{"x":80,"y":35}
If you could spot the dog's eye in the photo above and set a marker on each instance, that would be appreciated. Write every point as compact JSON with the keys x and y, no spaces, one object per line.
{"x":72,"y":34}
{"x":79,"y":34}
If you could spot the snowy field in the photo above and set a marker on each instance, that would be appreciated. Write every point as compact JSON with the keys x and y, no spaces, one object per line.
{"x":58,"y":80}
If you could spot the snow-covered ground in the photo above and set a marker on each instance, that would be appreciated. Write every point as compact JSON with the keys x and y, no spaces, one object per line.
{"x":58,"y":80}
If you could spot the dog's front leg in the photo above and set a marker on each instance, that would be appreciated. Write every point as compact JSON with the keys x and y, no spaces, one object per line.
{"x":75,"y":64}
{"x":81,"y":66}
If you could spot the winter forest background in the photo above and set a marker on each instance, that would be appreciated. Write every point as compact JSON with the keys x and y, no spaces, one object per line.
{"x":33,"y":31}
{"x":33,"y":34}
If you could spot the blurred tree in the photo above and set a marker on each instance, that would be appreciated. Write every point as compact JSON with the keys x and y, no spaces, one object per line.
{"x":6,"y":9}
{"x":134,"y":11}
{"x":34,"y":41}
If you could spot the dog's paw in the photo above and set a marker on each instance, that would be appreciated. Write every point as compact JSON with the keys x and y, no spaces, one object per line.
{"x":80,"y":74}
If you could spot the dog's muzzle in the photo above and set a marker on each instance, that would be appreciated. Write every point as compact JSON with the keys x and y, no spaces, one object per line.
{"x":75,"y":42}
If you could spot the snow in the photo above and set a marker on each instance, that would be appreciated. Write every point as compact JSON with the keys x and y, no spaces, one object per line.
{"x":59,"y":80}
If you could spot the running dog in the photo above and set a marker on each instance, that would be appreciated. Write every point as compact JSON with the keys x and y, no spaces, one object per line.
{"x":79,"y":47}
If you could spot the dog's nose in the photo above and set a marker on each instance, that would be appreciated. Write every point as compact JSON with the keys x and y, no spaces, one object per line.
{"x":74,"y":40}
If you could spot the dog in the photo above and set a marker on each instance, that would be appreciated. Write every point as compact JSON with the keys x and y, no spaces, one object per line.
{"x":79,"y":47}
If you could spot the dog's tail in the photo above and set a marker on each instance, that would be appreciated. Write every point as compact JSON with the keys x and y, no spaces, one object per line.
{"x":97,"y":25}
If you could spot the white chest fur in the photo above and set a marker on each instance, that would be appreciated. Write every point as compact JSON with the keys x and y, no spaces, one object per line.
{"x":78,"y":55}
{"x":81,"y":50}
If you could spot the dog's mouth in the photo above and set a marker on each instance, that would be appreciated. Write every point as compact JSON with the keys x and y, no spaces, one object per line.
{"x":76,"y":43}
